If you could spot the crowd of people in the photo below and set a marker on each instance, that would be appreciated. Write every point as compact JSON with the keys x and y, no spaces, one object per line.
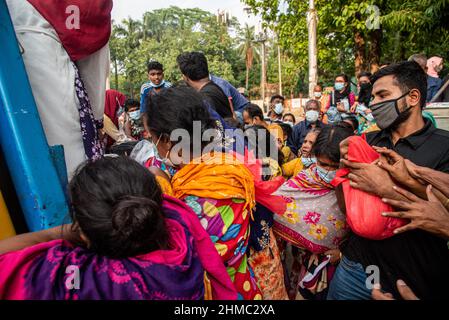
{"x":349,"y":203}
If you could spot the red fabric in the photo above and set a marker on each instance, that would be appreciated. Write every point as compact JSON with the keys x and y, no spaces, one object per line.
{"x":111,"y":105}
{"x":363,"y":210}
{"x":264,"y":189}
{"x":95,"y":24}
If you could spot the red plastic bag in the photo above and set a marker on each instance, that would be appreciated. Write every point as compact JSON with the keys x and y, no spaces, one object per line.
{"x":363,"y":210}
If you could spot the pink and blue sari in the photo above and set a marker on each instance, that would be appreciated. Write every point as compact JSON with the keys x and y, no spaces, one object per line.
{"x":186,"y":271}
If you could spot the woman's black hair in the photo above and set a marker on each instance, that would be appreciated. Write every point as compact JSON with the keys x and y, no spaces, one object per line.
{"x":352,"y":122}
{"x":364,"y":74}
{"x":291,"y":115}
{"x":328,"y":141}
{"x":177,"y":108}
{"x":262,"y":144}
{"x":287,"y":129}
{"x":117,"y":204}
{"x":344,"y":76}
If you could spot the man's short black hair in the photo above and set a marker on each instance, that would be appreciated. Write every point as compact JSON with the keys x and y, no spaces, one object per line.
{"x":408,"y":75}
{"x":254,"y":111}
{"x":277,"y":96}
{"x":193,"y":65}
{"x":154,"y":65}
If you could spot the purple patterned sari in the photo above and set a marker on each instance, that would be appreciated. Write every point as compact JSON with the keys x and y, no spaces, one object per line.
{"x":48,"y":271}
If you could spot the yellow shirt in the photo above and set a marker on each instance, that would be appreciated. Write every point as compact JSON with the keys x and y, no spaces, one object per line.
{"x":286,"y":151}
{"x":292,"y":168}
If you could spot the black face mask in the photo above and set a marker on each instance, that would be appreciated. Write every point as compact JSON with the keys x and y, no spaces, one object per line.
{"x":387,"y":114}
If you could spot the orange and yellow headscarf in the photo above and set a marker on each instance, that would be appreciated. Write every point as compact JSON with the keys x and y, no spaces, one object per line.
{"x":216,"y":176}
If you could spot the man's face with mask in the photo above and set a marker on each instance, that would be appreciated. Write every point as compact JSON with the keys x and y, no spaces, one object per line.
{"x":391,"y":105}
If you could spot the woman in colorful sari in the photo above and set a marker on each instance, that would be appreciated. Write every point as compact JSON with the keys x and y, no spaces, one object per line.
{"x":313,"y":223}
{"x":127,"y":242}
{"x":218,"y":188}
{"x":264,"y":257}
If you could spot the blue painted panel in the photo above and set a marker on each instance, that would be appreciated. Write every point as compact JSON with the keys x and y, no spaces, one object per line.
{"x":22,"y":138}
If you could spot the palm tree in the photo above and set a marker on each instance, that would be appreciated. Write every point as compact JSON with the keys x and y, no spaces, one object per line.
{"x":247,"y":49}
{"x":131,"y":30}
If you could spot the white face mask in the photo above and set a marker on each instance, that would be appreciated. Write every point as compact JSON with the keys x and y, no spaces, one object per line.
{"x":326,"y":175}
{"x":135,"y":115}
{"x":307,"y":162}
{"x":279,"y":108}
{"x":312,"y":116}
{"x":291,"y":124}
{"x":317,"y":94}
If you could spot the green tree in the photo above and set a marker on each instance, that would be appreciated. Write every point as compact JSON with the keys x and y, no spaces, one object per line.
{"x":346,"y":40}
{"x":165,"y":33}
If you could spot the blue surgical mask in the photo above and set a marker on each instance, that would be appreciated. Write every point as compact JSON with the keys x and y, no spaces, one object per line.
{"x":339,"y":86}
{"x":279,"y":108}
{"x":325,"y":175}
{"x":307,"y":162}
{"x":135,"y":115}
{"x":312,"y":116}
{"x":159,"y":85}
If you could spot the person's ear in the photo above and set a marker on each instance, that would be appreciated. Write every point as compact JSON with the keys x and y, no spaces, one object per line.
{"x":414,"y":98}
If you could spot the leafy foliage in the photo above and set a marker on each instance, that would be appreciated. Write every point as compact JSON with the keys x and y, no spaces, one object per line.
{"x":346,"y":41}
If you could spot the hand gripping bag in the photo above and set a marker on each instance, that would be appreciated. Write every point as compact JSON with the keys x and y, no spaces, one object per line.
{"x":363,"y":210}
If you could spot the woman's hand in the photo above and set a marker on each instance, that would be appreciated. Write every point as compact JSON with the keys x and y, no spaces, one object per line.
{"x":354,"y":107}
{"x":22,"y":241}
{"x":430,"y":216}
{"x":335,"y":255}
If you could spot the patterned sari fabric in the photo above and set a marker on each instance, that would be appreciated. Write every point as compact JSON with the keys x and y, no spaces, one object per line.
{"x":90,"y":128}
{"x":40,"y":272}
{"x":268,"y":269}
{"x":264,"y":256}
{"x":313,"y":219}
{"x":222,"y":196}
{"x":312,"y":224}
